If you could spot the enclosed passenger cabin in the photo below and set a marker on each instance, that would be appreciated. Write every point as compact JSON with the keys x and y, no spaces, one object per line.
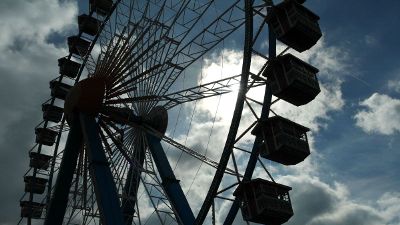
{"x":52,"y":113}
{"x":59,"y":89}
{"x":31,"y":209}
{"x":88,"y":24}
{"x":101,"y":7}
{"x":264,"y":202}
{"x":285,"y":141}
{"x":35,"y":185}
{"x":294,"y":25}
{"x":45,"y":136}
{"x":68,"y":67}
{"x":39,"y":160}
{"x":292,"y":80}
{"x":78,"y":46}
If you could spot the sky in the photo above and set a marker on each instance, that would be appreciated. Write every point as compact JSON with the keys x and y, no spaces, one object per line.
{"x":352,"y":175}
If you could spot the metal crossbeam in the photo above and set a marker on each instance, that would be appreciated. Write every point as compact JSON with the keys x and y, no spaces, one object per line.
{"x":177,"y":57}
{"x":191,"y":94}
{"x":213,"y":34}
{"x":188,"y":150}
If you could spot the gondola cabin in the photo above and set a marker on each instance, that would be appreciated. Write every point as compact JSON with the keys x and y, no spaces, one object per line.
{"x":31,"y":209}
{"x":52,"y":113}
{"x":292,"y":80}
{"x":285,"y":141}
{"x":78,"y":46}
{"x":45,"y":136}
{"x":88,"y":24}
{"x":294,"y":25}
{"x":35,"y":185}
{"x":101,"y":7}
{"x":68,"y":67}
{"x":59,"y":90}
{"x":264,"y":202}
{"x":39,"y":160}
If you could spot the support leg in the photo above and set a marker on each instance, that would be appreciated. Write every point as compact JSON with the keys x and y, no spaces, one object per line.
{"x":102,"y":178}
{"x":131,"y":187}
{"x":58,"y":203}
{"x":169,"y":182}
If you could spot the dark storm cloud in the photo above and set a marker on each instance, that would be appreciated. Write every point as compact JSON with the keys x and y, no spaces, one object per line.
{"x":316,"y":203}
{"x":27,"y":63}
{"x":16,"y":141}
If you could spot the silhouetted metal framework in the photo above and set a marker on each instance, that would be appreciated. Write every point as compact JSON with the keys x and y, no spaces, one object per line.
{"x":134,"y":53}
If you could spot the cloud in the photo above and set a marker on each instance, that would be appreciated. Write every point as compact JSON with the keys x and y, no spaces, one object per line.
{"x":389,"y":205}
{"x":330,"y":60}
{"x":27,"y":63}
{"x":394,"y":85}
{"x":379,"y":114}
{"x":316,"y":202}
{"x":32,"y":26}
{"x":216,"y":113}
{"x":370,"y":40}
{"x":333,"y":65}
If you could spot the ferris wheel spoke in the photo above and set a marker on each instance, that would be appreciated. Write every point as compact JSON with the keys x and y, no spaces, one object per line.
{"x":132,"y":82}
{"x":116,"y":56}
{"x":211,"y":89}
{"x":199,"y":41}
{"x":184,"y":22}
{"x":150,"y":24}
{"x":214,"y":33}
{"x":113,"y":51}
{"x":116,"y":162}
{"x":111,"y":124}
{"x":127,"y":202}
{"x":123,"y":151}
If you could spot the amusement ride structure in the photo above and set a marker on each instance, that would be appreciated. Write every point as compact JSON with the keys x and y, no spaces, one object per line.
{"x":102,"y":153}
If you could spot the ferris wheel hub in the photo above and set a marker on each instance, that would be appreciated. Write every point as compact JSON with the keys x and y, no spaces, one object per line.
{"x":157,"y":118}
{"x":86,"y":96}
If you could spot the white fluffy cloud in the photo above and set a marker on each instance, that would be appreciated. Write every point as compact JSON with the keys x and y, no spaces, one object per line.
{"x":379,"y":114}
{"x":394,"y":85}
{"x":332,"y":64}
{"x":316,"y":115}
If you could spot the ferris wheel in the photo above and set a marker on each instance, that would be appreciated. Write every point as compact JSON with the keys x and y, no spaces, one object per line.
{"x":128,"y":115}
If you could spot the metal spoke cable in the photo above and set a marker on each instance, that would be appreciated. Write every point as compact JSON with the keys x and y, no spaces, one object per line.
{"x":191,"y":117}
{"x":212,"y":127}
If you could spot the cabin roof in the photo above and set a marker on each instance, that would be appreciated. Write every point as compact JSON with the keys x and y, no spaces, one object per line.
{"x":290,"y":56}
{"x":259,"y":181}
{"x":273,"y":119}
{"x":282,"y":5}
